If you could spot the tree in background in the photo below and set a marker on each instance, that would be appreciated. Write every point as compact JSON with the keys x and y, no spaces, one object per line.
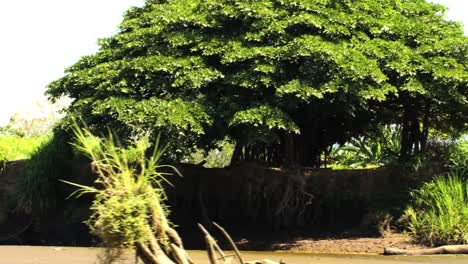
{"x":37,"y":121}
{"x":284,"y":79}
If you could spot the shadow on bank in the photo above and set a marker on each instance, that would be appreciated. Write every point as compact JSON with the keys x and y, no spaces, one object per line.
{"x":258,"y":203}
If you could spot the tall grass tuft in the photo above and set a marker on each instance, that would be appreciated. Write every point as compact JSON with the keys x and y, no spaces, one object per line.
{"x":128,"y":208}
{"x":439,"y":214}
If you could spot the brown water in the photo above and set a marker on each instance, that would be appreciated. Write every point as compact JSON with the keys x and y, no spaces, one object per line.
{"x":68,"y":255}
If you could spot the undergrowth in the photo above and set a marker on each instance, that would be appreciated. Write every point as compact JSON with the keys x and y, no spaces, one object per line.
{"x":439,"y":211}
{"x":439,"y":214}
{"x":18,"y":148}
{"x":37,"y":184}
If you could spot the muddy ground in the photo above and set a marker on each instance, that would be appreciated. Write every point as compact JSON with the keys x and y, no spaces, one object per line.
{"x":346,"y":244}
{"x":359,"y":245}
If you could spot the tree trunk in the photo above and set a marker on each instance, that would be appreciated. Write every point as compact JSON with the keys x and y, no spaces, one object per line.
{"x":455,"y":249}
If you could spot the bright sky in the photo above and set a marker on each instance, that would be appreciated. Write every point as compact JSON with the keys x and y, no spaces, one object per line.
{"x":39,"y":39}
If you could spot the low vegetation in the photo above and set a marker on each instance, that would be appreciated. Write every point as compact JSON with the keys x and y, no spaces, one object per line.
{"x":17,"y":148}
{"x":36,"y":186}
{"x":372,"y":151}
{"x":439,"y":213}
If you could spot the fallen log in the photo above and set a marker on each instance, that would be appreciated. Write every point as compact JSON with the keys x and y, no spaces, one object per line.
{"x":449,"y":249}
{"x":264,"y":261}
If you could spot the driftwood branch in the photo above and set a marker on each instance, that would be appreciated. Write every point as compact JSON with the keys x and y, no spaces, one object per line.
{"x":179,"y":254}
{"x":264,"y":261}
{"x":453,"y":249}
{"x":210,"y":242}
{"x":152,"y":253}
{"x":233,"y":245}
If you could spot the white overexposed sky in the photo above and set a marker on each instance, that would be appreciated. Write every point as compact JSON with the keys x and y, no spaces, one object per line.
{"x":39,"y":39}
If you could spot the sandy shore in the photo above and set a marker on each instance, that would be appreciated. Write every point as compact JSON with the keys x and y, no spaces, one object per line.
{"x":350,"y":245}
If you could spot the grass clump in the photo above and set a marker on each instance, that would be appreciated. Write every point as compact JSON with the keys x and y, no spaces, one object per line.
{"x":439,"y":214}
{"x":128,"y":209}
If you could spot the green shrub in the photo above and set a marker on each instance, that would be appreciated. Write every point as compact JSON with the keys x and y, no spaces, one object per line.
{"x":439,"y":214}
{"x":458,"y":162}
{"x":368,"y":152}
{"x":218,"y":157}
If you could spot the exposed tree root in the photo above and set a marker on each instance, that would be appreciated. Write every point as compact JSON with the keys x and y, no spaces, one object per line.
{"x":452,"y":249}
{"x":152,"y":252}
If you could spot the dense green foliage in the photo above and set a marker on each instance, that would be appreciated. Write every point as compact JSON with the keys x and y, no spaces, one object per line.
{"x":376,"y":150}
{"x":218,"y":157}
{"x":458,"y":155}
{"x":284,"y":79}
{"x":439,"y":214}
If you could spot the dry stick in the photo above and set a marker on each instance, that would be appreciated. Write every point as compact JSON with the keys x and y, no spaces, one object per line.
{"x":147,"y":253}
{"x":454,"y":249}
{"x":158,"y":252}
{"x":263,"y":261}
{"x":175,"y":238}
{"x":215,"y":245}
{"x":220,"y":252}
{"x":179,"y":254}
{"x":190,"y":260}
{"x":209,"y":244}
{"x":233,"y":245}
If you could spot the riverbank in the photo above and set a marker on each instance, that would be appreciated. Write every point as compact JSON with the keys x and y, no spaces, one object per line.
{"x":77,"y":255}
{"x":346,"y":244}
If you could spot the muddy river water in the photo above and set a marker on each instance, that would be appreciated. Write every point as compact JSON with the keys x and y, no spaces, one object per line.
{"x":69,"y":255}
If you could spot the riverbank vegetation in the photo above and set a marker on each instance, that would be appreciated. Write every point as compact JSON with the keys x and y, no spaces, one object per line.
{"x":439,"y":211}
{"x":21,"y":137}
{"x":297,"y":85}
{"x":14,"y":147}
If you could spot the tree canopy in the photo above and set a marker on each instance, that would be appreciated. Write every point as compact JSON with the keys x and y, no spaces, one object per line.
{"x":285,"y":79}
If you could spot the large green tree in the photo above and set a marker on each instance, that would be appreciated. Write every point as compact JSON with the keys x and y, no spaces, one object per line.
{"x":285,"y":79}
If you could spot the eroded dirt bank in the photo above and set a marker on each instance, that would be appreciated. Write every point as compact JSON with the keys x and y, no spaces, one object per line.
{"x":247,"y":200}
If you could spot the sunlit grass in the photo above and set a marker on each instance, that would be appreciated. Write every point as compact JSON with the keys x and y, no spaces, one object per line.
{"x":18,"y":148}
{"x":439,"y":214}
{"x":128,"y":208}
